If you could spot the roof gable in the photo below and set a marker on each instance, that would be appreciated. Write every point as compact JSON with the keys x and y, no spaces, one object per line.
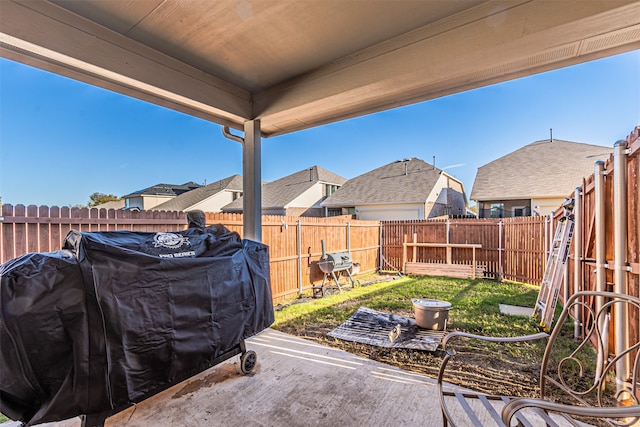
{"x":547,"y":168}
{"x":281,"y":192}
{"x":402,"y":181}
{"x":185,"y":200}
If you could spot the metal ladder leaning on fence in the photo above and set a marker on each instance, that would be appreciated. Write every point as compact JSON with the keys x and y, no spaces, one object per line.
{"x":554,"y":269}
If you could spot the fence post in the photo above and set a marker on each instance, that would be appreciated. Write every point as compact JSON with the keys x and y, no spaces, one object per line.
{"x":600,"y":246}
{"x":577,"y":259}
{"x":620,"y":239}
{"x":349,"y":236}
{"x":404,"y":252}
{"x":600,"y":230}
{"x":448,"y":231}
{"x":299,"y":253}
{"x":381,"y":255}
{"x":547,"y":220}
{"x":500,"y":250}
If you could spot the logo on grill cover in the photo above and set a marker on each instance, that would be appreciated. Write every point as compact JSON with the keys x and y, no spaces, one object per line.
{"x":169,"y":240}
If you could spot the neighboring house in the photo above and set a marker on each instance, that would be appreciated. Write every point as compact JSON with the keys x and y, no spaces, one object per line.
{"x":208,"y":198}
{"x":405,"y":189}
{"x":153,"y":196}
{"x":114,"y":204}
{"x":298,"y":194}
{"x":535,"y":179}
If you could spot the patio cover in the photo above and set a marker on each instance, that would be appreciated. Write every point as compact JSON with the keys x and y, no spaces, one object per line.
{"x":271,"y":67}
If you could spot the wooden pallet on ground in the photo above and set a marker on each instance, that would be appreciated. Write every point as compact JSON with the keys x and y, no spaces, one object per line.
{"x":462,"y":271}
{"x":447,"y":268}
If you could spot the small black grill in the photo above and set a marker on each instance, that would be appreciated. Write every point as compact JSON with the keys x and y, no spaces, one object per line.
{"x":333,"y":265}
{"x":335,"y":262}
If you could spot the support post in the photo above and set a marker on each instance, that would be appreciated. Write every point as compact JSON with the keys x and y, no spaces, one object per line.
{"x":251,"y":181}
{"x":620,"y":275}
{"x":577,"y":259}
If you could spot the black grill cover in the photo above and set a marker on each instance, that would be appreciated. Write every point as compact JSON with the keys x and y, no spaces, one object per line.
{"x":119,"y":316}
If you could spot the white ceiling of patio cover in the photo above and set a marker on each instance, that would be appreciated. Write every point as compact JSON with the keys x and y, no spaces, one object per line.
{"x":302,"y":63}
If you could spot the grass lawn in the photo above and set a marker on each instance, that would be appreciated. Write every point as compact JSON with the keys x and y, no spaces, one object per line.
{"x":475,"y":304}
{"x":491,"y":367}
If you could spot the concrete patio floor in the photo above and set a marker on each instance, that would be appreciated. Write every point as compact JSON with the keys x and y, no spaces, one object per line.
{"x":295,"y":383}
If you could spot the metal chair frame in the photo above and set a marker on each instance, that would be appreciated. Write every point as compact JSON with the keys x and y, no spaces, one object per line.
{"x":594,"y":323}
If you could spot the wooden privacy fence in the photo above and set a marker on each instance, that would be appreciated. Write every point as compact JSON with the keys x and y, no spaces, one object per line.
{"x":605,"y":254}
{"x":294,"y":242}
{"x":295,"y":248}
{"x":511,"y":248}
{"x":591,"y":212}
{"x":42,"y":229}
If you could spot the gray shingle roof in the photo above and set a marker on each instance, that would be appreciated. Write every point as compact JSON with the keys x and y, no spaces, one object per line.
{"x":190,"y":198}
{"x":280,"y":193}
{"x":408,"y":180}
{"x":547,"y":168}
{"x":165,"y":189}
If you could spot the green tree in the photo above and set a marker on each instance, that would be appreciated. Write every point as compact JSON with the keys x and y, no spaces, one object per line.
{"x":98,"y":198}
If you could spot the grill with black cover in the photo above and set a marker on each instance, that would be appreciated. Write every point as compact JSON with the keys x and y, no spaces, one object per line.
{"x":118,"y":316}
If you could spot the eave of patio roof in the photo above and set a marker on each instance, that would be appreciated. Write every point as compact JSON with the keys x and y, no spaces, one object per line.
{"x":297,"y":65}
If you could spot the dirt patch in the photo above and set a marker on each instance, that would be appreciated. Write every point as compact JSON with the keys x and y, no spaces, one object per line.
{"x":491,"y":371}
{"x":482,"y":372}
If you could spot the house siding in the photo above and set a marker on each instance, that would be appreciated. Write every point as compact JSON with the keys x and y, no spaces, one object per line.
{"x":146,"y":202}
{"x":545,"y":206}
{"x":391,"y":212}
{"x":310,"y":198}
{"x":446,"y":198}
{"x":215,"y":202}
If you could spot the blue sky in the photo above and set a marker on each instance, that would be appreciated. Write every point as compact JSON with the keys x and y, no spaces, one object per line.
{"x":62,"y":140}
